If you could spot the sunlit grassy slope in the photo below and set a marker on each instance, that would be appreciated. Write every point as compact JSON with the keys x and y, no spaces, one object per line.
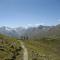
{"x":43,"y":49}
{"x":10,"y":48}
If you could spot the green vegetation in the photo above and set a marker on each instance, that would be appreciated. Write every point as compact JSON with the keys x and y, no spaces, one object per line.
{"x":10,"y":48}
{"x":47,"y":48}
{"x":43,"y":49}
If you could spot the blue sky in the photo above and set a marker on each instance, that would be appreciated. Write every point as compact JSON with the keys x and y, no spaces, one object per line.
{"x":15,"y":13}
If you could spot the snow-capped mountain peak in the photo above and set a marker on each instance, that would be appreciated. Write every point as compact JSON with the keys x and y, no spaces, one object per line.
{"x":8,"y":29}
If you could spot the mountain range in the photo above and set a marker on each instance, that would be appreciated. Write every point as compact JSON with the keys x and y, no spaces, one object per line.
{"x":31,"y":32}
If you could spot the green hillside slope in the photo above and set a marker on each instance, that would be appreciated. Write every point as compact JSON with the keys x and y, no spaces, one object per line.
{"x":10,"y":48}
{"x":47,"y":48}
{"x":43,"y":49}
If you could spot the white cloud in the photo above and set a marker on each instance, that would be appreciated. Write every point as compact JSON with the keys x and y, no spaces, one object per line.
{"x":57,"y":21}
{"x":40,"y":24}
{"x":35,"y":25}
